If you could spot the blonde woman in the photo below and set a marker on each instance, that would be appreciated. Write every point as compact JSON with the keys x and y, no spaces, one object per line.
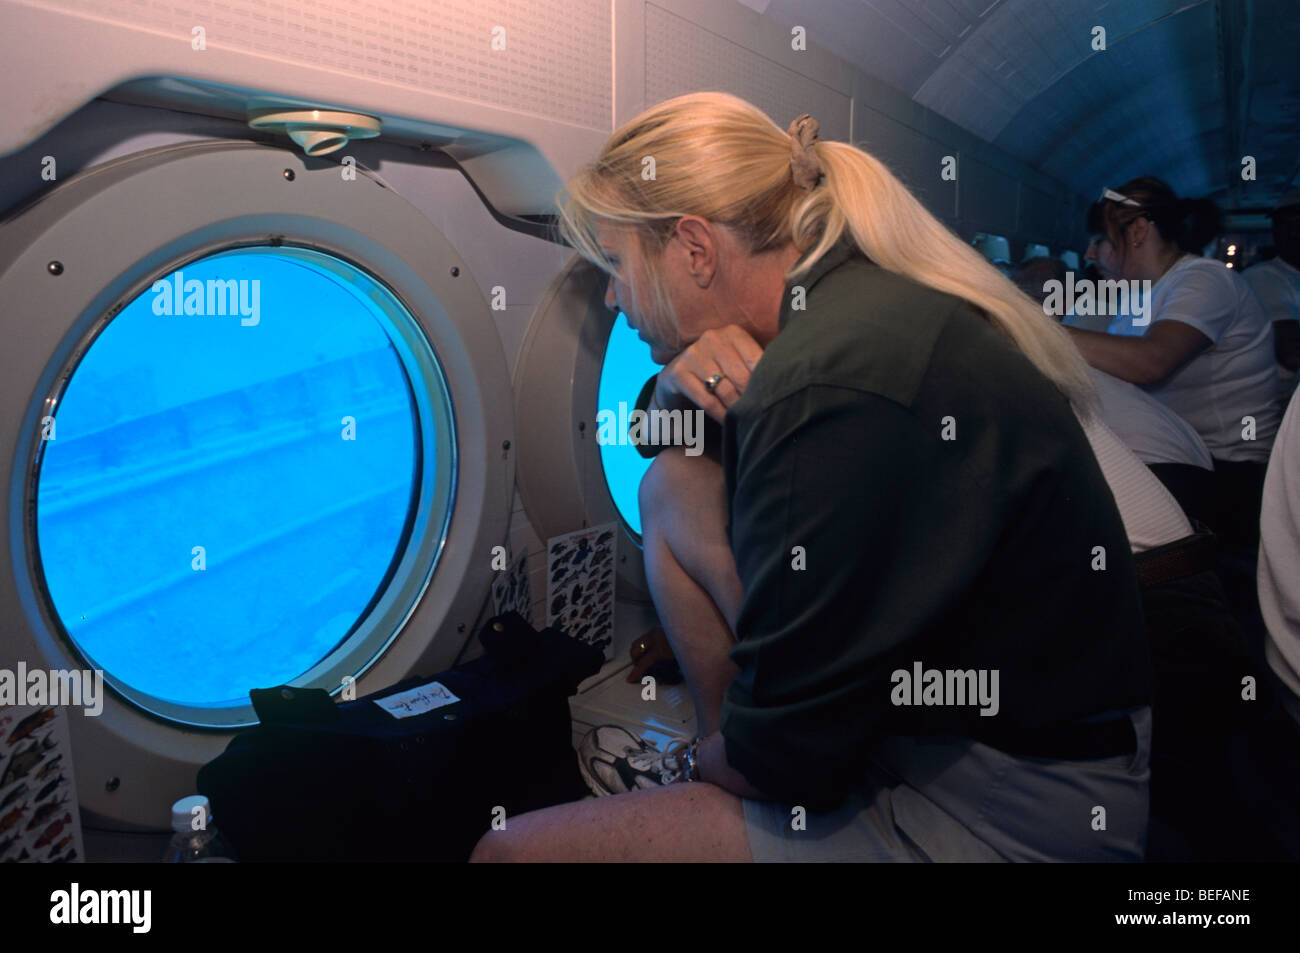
{"x":900,"y":591}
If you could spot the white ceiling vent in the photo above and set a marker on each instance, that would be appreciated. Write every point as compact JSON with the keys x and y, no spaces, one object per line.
{"x":317,"y":131}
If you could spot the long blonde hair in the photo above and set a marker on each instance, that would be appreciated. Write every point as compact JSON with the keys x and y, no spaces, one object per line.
{"x":719,"y":157}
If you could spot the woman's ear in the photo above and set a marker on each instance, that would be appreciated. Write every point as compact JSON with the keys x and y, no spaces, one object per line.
{"x":1138,"y":231}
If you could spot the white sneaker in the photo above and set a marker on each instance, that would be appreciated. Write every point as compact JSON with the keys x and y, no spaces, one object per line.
{"x":614,"y":761}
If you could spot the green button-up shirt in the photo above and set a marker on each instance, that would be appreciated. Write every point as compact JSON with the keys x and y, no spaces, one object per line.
{"x":908,"y":493}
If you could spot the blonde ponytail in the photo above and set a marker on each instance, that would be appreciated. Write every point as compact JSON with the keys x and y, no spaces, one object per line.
{"x":721,"y":158}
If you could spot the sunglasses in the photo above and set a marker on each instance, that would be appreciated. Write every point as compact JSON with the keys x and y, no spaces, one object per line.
{"x":1112,"y":195}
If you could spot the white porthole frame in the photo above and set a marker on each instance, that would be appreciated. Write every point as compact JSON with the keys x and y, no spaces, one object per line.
{"x":80,"y":253}
{"x":557,"y":382}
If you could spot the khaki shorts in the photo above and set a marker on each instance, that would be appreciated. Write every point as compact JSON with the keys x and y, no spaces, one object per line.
{"x":963,"y":801}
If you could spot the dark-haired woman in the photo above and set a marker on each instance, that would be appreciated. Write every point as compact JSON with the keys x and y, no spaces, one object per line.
{"x":1208,"y":354}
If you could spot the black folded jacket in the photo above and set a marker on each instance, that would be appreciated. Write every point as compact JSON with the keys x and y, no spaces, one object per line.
{"x":316,"y":781}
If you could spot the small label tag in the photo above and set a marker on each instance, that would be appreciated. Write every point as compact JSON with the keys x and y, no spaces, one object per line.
{"x":416,"y":701}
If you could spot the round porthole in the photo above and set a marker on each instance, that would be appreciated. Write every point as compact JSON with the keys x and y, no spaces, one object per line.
{"x":625,"y":368}
{"x":256,"y":408}
{"x":577,"y":360}
{"x":227,"y":482}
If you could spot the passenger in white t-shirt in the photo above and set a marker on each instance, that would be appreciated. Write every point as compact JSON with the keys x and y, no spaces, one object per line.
{"x":1233,"y":379}
{"x":1271,"y":763}
{"x":1166,"y":443}
{"x":1208,"y":354}
{"x":1279,"y":558}
{"x":1277,"y":284}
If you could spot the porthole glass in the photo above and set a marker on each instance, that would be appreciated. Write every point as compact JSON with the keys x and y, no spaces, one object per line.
{"x":627,"y":367}
{"x":226,"y":487}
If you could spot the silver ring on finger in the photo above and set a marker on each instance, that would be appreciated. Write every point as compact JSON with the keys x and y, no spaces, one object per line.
{"x":712,"y":381}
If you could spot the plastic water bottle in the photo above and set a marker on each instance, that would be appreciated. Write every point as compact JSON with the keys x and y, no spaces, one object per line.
{"x":190,"y":846}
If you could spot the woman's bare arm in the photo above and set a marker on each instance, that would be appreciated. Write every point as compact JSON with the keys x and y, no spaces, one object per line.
{"x":1145,"y":360}
{"x":712,"y":755}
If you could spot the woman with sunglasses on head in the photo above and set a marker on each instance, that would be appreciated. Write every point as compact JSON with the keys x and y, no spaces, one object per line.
{"x":1208,"y":353}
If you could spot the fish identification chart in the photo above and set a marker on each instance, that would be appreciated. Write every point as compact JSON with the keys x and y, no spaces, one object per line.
{"x":580,"y":586}
{"x":38,"y":794}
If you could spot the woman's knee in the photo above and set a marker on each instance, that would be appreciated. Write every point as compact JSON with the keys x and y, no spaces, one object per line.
{"x":674,"y":823}
{"x":492,"y":848}
{"x":482,"y":853}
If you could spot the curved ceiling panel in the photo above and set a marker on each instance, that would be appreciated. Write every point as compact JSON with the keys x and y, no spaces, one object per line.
{"x":1184,"y":89}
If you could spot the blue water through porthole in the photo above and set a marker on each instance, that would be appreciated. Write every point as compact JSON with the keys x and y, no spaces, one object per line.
{"x":627,"y":367}
{"x":231,"y":477}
